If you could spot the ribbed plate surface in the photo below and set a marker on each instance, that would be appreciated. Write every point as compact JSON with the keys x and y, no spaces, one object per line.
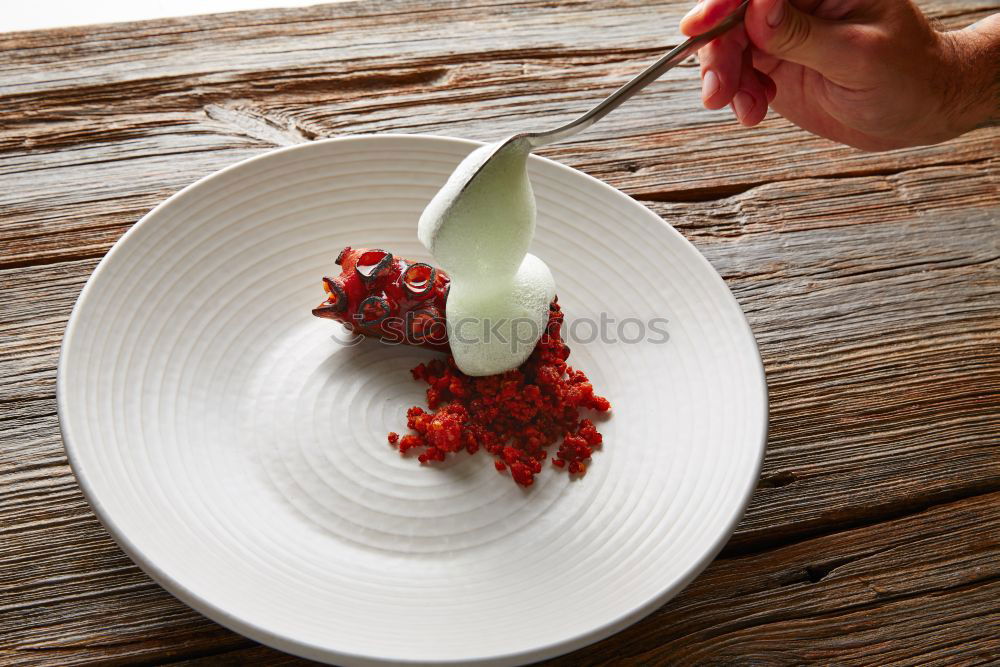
{"x":237,"y":452}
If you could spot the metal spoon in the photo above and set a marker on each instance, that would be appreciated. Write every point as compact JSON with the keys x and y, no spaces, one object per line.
{"x":529,"y":141}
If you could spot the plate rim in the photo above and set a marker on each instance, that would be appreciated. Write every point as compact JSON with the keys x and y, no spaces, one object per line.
{"x":311,"y":651}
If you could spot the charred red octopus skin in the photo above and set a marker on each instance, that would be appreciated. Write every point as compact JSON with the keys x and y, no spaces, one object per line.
{"x":389,"y":297}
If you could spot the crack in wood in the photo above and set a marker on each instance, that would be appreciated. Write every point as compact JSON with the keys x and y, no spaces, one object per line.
{"x":716,"y":193}
{"x":751,"y":544}
{"x":777,"y":480}
{"x":880,"y":599}
{"x":49,"y":261}
{"x":187,"y":92}
{"x":816,"y":573}
{"x":112,"y":590}
{"x":927,"y":265}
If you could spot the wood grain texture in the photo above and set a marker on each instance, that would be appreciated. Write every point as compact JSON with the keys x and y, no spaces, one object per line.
{"x":871,"y":281}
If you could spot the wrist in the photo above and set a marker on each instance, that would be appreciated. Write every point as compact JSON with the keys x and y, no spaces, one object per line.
{"x":971,"y":59}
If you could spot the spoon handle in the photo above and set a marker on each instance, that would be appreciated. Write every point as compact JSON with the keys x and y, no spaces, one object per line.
{"x":650,"y":74}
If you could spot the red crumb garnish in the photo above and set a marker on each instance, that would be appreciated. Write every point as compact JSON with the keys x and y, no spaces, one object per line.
{"x":513,"y":416}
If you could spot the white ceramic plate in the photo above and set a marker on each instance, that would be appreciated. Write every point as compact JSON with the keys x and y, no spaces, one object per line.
{"x":236,"y":450}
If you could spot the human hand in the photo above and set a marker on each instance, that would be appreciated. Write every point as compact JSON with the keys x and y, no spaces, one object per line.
{"x":872,"y":74}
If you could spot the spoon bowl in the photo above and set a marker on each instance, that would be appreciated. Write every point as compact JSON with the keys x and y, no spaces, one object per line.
{"x":677,"y":55}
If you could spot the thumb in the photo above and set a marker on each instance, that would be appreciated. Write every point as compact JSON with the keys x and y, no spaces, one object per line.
{"x":779,"y":29}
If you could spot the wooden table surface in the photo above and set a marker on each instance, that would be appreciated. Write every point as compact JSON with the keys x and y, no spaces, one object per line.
{"x":870,"y":280}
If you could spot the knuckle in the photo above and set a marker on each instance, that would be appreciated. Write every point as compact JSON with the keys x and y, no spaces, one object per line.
{"x":864,"y":48}
{"x":862,"y":39}
{"x":794,"y":37}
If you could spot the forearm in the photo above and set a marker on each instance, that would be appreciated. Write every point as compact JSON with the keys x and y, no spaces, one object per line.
{"x":976,"y":66}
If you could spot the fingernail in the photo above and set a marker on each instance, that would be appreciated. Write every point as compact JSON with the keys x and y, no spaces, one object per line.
{"x":709,"y":85}
{"x":743,"y":104}
{"x":776,"y":14}
{"x":694,"y":10}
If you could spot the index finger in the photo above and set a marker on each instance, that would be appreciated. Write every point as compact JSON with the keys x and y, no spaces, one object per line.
{"x":706,"y":14}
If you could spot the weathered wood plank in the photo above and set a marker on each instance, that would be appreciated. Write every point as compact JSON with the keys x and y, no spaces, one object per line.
{"x":151,"y":114}
{"x":920,"y":587}
{"x":255,"y":655}
{"x":875,"y":302}
{"x":35,"y":303}
{"x":855,"y":596}
{"x":875,"y":306}
{"x":854,"y":396}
